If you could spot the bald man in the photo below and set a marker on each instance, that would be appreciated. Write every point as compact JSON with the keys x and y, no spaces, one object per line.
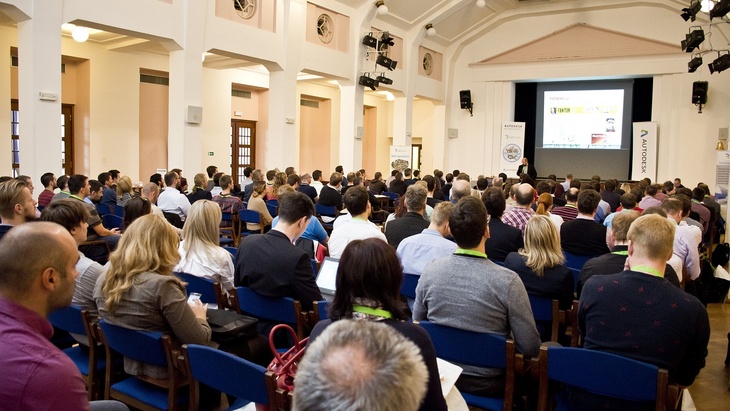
{"x":522,"y":211}
{"x":37,"y":375}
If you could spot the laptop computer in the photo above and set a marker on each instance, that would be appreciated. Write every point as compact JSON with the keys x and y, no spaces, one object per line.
{"x":327,"y":277}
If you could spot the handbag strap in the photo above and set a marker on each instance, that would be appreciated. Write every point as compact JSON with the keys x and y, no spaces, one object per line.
{"x":272,"y":346}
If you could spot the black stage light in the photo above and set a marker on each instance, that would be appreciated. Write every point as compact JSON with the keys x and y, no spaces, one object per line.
{"x":720,"y":64}
{"x":370,"y":41}
{"x":693,"y":39}
{"x":721,"y":8}
{"x":691,"y":12}
{"x":694,"y":64}
{"x":368,"y":82}
{"x":386,"y":41}
{"x":386,"y":62}
{"x":384,"y":80}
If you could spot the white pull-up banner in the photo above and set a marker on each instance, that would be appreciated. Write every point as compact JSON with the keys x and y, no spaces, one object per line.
{"x":643,"y":163}
{"x":512,"y":147}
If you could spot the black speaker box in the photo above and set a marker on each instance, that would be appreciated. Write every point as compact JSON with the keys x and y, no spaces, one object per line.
{"x":465,"y":99}
{"x":699,"y":92}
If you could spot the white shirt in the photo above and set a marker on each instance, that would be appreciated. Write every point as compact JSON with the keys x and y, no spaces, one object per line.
{"x":216,"y":264}
{"x":352,"y":230}
{"x":317,"y":186}
{"x":172,"y":201}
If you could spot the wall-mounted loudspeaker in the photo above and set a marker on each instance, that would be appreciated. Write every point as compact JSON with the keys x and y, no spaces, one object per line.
{"x":465,"y":99}
{"x":699,"y":92}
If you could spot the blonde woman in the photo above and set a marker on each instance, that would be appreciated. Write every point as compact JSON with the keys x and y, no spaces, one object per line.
{"x":540,"y":263}
{"x":200,"y":253}
{"x":139,"y":291}
{"x":257,"y":203}
{"x":544,"y":206}
{"x":279,"y":181}
{"x":198,"y":193}
{"x":125,"y":190}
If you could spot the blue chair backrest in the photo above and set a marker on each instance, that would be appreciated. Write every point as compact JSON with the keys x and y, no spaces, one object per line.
{"x":119,"y":211}
{"x":273,"y":202}
{"x":103,"y":209}
{"x":391,"y":195}
{"x":576,"y":261}
{"x":272,"y":209}
{"x":408,"y":288}
{"x":227,"y":373}
{"x":200,"y":285}
{"x":329,"y":211}
{"x":143,"y":346}
{"x":542,"y":308}
{"x":321,"y":308}
{"x":233,"y":251}
{"x":68,"y":319}
{"x":112,"y":221}
{"x":279,"y":309}
{"x":226,"y":216}
{"x":603,"y":373}
{"x":467,"y":347}
{"x":249,"y":216}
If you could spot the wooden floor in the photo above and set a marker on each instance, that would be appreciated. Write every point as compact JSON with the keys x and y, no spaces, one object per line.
{"x":710,"y":389}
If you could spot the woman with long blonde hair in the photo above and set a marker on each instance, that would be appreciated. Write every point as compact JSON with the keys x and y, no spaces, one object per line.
{"x":279,"y":181}
{"x":540,"y":263}
{"x":256,"y":203}
{"x":200,"y":252}
{"x":139,"y":291}
{"x":544,"y":206}
{"x":125,"y":190}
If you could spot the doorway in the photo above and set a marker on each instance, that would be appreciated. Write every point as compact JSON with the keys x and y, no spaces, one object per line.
{"x":243,"y":147}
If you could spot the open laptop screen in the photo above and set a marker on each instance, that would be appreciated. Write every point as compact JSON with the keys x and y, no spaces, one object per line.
{"x":327,"y":276}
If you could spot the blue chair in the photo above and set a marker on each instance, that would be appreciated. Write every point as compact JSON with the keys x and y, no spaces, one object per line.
{"x":604,"y":374}
{"x":249,"y":216}
{"x":118,"y":211}
{"x":282,"y":310}
{"x":77,"y":321}
{"x":575,"y":263}
{"x":480,"y":350}
{"x":103,"y":209}
{"x":545,"y":312}
{"x":392,"y":199}
{"x":112,"y":221}
{"x":228,"y":230}
{"x":327,"y":211}
{"x":200,"y":285}
{"x":224,"y":372}
{"x":320,"y":311}
{"x":152,"y":348}
{"x":273,"y":207}
{"x":408,"y":288}
{"x":233,"y":251}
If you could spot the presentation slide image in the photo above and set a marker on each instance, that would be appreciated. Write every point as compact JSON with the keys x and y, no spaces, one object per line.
{"x":587,"y":119}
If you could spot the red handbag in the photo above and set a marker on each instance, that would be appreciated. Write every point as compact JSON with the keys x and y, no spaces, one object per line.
{"x":285,"y":365}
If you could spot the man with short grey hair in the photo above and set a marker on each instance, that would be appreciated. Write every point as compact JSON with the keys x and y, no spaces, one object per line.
{"x":413,"y":221}
{"x":459,"y":190}
{"x":519,"y":214}
{"x":360,"y":365}
{"x":416,"y":251}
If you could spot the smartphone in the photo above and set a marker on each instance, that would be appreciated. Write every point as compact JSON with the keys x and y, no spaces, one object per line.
{"x":193,"y":297}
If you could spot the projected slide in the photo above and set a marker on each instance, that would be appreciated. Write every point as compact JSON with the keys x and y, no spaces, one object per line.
{"x":586,"y":119}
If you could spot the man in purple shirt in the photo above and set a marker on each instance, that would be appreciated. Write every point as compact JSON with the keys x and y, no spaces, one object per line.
{"x":37,"y":375}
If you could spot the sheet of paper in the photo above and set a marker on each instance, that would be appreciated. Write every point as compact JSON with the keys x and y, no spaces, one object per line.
{"x":448,"y":373}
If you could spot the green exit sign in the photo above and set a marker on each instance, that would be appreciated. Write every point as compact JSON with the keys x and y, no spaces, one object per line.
{"x":210,"y":153}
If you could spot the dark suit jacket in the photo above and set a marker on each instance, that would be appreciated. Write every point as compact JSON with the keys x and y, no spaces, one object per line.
{"x":247,"y":191}
{"x":503,"y":239}
{"x":530,"y":171}
{"x":272,"y":266}
{"x":199,"y":195}
{"x":407,"y":225}
{"x":613,"y":199}
{"x":446,"y":189}
{"x":613,"y":264}
{"x":377,"y":187}
{"x":398,"y":187}
{"x":310,"y":191}
{"x":583,"y":237}
{"x":330,"y":197}
{"x":4,"y":228}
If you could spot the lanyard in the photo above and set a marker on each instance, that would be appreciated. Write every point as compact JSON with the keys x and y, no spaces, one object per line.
{"x":372,"y":311}
{"x":461,"y":251}
{"x":647,"y":270}
{"x":76,"y":197}
{"x":625,"y":252}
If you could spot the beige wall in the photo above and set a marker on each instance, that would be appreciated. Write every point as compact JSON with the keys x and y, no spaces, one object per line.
{"x":314,"y":136}
{"x":153,"y":116}
{"x":370,"y":141}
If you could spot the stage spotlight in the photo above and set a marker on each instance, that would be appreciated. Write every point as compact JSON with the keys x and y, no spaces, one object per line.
{"x":368,"y":82}
{"x":370,"y":41}
{"x":386,"y":62}
{"x":384,"y":80}
{"x":693,"y":39}
{"x":721,"y":8}
{"x":694,"y":64}
{"x":721,"y":63}
{"x":690,"y":13}
{"x":386,"y":41}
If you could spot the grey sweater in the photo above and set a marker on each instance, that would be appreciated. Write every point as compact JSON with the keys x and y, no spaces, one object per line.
{"x":475,"y":294}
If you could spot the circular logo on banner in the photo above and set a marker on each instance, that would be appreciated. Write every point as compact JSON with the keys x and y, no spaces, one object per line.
{"x":512,"y":153}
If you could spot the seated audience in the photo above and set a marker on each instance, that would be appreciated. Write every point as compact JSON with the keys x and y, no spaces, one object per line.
{"x":330,"y":194}
{"x":172,"y":200}
{"x":125,"y":191}
{"x":413,"y":221}
{"x":640,"y":315}
{"x":200,"y":252}
{"x":417,"y":251}
{"x":569,"y":211}
{"x":109,"y":195}
{"x":48,"y":180}
{"x":459,"y":190}
{"x":469,"y":292}
{"x":687,"y":239}
{"x":228,"y":203}
{"x":519,"y":215}
{"x":503,"y":239}
{"x":37,"y":375}
{"x":199,"y":192}
{"x":16,"y":205}
{"x":358,"y":227}
{"x":368,"y":289}
{"x":540,"y":263}
{"x":139,"y":291}
{"x":584,"y":236}
{"x":377,"y":186}
{"x":257,"y":203}
{"x":136,"y":207}
{"x":544,"y":206}
{"x":398,"y":185}
{"x":306,"y":188}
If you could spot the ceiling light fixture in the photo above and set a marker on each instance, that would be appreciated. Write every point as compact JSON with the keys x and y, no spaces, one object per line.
{"x":707,"y":5}
{"x":382,"y":8}
{"x":430,"y":30}
{"x":368,"y":82}
{"x":693,"y":39}
{"x":481,"y":4}
{"x":721,"y":8}
{"x":694,"y":64}
{"x":80,"y":34}
{"x":721,"y":63}
{"x":690,"y":13}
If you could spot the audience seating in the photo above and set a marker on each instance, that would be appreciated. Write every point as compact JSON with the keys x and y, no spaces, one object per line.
{"x":569,"y":320}
{"x":326,"y":211}
{"x":100,"y":257}
{"x":408,"y":288}
{"x":319,"y":312}
{"x":284,"y":310}
{"x":392,"y":199}
{"x":233,"y":251}
{"x":77,"y":321}
{"x":224,"y":372}
{"x":112,"y":221}
{"x":545,"y":312}
{"x":118,"y":210}
{"x":575,"y":263}
{"x":481,"y":350}
{"x":174,"y":219}
{"x":200,"y":285}
{"x":248,"y":216}
{"x":149,"y":347}
{"x":228,"y":233}
{"x":273,"y":207}
{"x":103,"y":209}
{"x":604,"y":374}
